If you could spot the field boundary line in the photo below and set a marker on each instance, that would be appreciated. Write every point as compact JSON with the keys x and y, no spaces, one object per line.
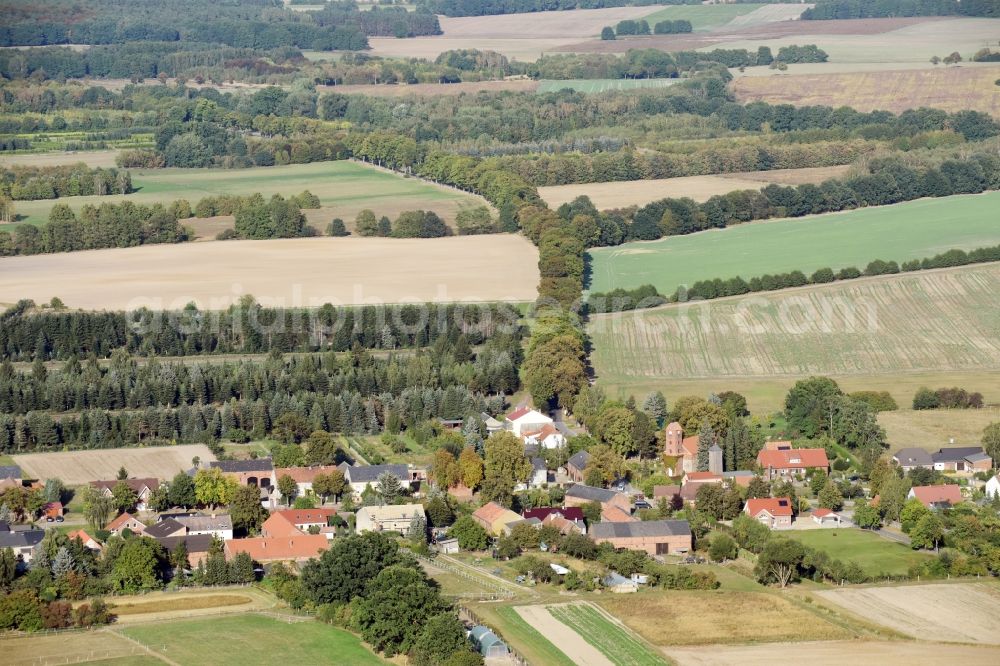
{"x":149,"y":650}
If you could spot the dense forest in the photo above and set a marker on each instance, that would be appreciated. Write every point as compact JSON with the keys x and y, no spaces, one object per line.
{"x":857,"y":9}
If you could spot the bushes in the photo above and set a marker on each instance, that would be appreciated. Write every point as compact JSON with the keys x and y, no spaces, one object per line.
{"x":672,"y":27}
{"x":947,"y":398}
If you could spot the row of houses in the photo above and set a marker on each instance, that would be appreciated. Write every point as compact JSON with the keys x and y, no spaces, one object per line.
{"x":962,"y":459}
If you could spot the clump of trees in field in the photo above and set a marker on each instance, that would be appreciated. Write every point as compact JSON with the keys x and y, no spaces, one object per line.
{"x":947,"y":398}
{"x":28,"y":183}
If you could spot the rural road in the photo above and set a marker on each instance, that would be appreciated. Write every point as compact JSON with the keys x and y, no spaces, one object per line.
{"x":894,"y":536}
{"x":568,"y":641}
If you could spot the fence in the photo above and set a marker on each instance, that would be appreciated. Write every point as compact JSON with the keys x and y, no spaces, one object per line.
{"x":497,"y":591}
{"x":469,"y":616}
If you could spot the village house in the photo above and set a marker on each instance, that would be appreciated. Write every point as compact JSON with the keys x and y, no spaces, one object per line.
{"x":143,"y":489}
{"x":197,"y":546}
{"x":992,"y":489}
{"x":739,"y":477}
{"x":492,"y":425}
{"x":539,"y":475}
{"x":166,"y":528}
{"x":524,"y":419}
{"x":546,"y":437}
{"x":784,"y":463}
{"x":361,"y":476}
{"x":303,"y":519}
{"x":214,"y":525}
{"x":656,"y":537}
{"x":493,"y":517}
{"x":685,"y":449}
{"x":126,"y":521}
{"x":665,"y":492}
{"x":303,"y":476}
{"x":10,"y":477}
{"x":913,"y":458}
{"x":936,"y":497}
{"x":278,"y":526}
{"x":567,"y":520}
{"x":89,"y":542}
{"x":775,"y":512}
{"x":576,"y":465}
{"x":969,"y":459}
{"x":22,"y":541}
{"x":265,"y":550}
{"x":258,"y":472}
{"x":389,"y":518}
{"x":52,"y":511}
{"x":701,"y":477}
{"x":580,"y":494}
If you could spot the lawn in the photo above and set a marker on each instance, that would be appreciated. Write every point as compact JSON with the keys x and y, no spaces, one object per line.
{"x":614,"y":642}
{"x":342,"y":186}
{"x":896,"y":333}
{"x":875,"y":554}
{"x":523,"y":637}
{"x":702,"y":17}
{"x":603,"y":85}
{"x":911,"y":230}
{"x":252,"y":639}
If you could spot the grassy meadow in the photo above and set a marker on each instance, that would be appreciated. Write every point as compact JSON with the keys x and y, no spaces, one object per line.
{"x":702,"y":17}
{"x":937,"y":327}
{"x":343,"y":187}
{"x":224,"y":641}
{"x":911,"y":230}
{"x":873,"y":553}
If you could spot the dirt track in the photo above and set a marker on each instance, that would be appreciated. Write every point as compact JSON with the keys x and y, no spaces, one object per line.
{"x":837,"y":653}
{"x":568,"y":641}
{"x":299,"y":272}
{"x":961,"y":613}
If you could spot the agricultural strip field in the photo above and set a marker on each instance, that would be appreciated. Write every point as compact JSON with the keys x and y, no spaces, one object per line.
{"x":92,"y":158}
{"x":78,"y":467}
{"x":616,"y":643}
{"x":569,"y":641}
{"x":935,"y":321}
{"x":75,"y":647}
{"x":224,"y":642}
{"x":689,"y":617}
{"x":911,"y":230}
{"x":435,"y":89}
{"x":930,"y":429}
{"x":705,"y":17}
{"x":343,"y":188}
{"x":299,"y":272}
{"x":523,"y":636}
{"x":946,"y":88}
{"x":873,"y":553}
{"x":603,"y":85}
{"x":837,"y":653}
{"x":961,"y":613}
{"x":620,"y":194}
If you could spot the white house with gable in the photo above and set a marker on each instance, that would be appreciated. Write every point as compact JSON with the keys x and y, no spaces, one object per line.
{"x":993,"y":487}
{"x":524,"y":420}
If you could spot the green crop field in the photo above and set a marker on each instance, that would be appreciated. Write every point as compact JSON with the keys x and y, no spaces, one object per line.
{"x":227,"y":640}
{"x":875,"y":554}
{"x":344,"y":186}
{"x":929,"y":323}
{"x":911,"y":230}
{"x":617,"y":644}
{"x":702,"y":17}
{"x":603,"y":85}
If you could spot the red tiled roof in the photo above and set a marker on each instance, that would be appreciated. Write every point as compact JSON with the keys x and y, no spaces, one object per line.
{"x":518,"y":413}
{"x":703,"y":477}
{"x":278,"y":525}
{"x":303,"y":516}
{"x":665,"y":491}
{"x":778,"y":445}
{"x":303,"y":474}
{"x":53,"y":509}
{"x":776,"y":506}
{"x":569,"y":512}
{"x":950,"y":494}
{"x":489,"y":512}
{"x":616,"y":514}
{"x":121,"y":520}
{"x":82,"y":535}
{"x":822,"y":513}
{"x":690,"y":445}
{"x":793,"y":459}
{"x":545,"y":431}
{"x":273,"y":549}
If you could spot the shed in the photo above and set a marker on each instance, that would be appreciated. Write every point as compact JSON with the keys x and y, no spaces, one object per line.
{"x":488,"y":643}
{"x":619,"y":584}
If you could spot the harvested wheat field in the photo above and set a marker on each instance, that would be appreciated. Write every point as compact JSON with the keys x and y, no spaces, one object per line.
{"x":92,"y":158}
{"x":961,"y":613}
{"x":66,"y":648}
{"x":686,"y":617}
{"x":946,"y":88}
{"x":620,"y":194}
{"x":943,"y":320}
{"x":304,"y":272}
{"x":837,"y":653}
{"x":77,"y":467}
